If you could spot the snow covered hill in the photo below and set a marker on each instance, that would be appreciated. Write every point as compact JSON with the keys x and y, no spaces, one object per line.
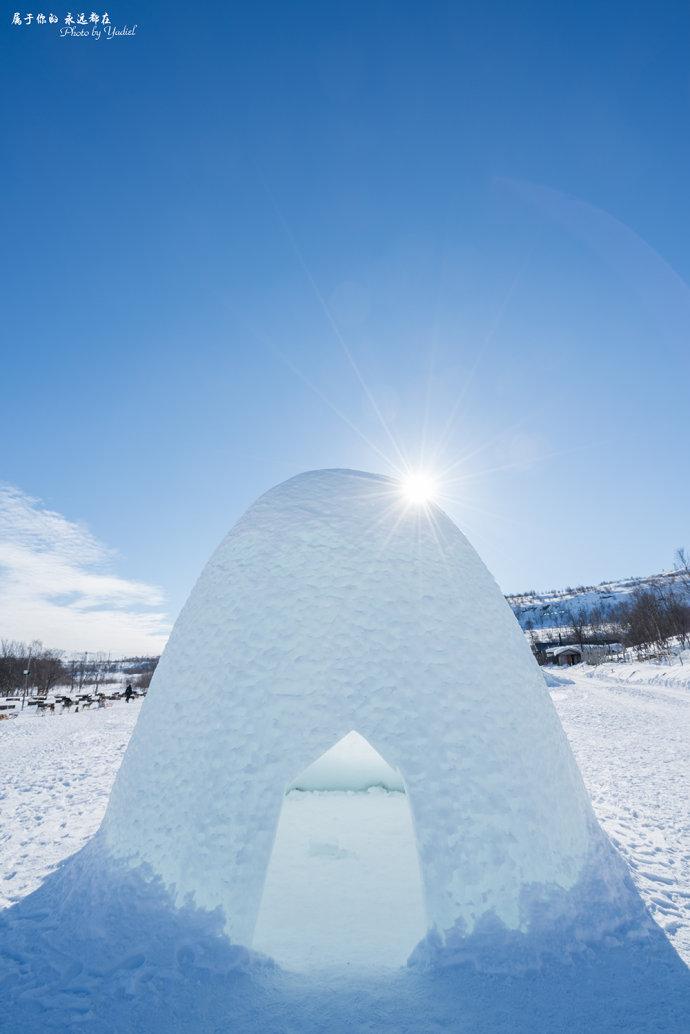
{"x":553,"y":609}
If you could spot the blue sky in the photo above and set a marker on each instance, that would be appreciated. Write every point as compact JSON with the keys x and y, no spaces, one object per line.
{"x":225,"y":236}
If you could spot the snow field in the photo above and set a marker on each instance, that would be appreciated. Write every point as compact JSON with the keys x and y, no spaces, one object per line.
{"x":340,"y":871}
{"x":56,"y":773}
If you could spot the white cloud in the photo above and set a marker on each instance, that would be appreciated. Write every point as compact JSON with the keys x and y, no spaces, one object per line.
{"x":57,"y":585}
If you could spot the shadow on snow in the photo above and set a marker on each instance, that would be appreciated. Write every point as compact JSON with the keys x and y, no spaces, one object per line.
{"x":99,"y":948}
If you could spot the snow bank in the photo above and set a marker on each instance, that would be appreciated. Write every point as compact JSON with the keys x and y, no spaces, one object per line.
{"x":97,"y":932}
{"x":552,"y":681}
{"x":674,"y":675}
{"x":556,"y":923}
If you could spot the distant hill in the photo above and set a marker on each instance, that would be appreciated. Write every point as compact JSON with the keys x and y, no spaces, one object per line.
{"x":553,"y":609}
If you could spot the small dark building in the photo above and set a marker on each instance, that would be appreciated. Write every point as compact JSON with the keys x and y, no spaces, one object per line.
{"x":564,"y":655}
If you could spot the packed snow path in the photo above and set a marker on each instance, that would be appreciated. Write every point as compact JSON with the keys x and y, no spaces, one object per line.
{"x":632,"y":743}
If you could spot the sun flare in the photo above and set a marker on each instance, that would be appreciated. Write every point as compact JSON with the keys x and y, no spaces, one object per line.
{"x":419,"y":488}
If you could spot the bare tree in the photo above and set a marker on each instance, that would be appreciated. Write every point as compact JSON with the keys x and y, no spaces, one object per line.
{"x":681,"y":563}
{"x":579,"y":625}
{"x":99,"y":670}
{"x":78,"y":673}
{"x":47,"y":669}
{"x":29,"y":669}
{"x":652,"y":621}
{"x":11,"y":666}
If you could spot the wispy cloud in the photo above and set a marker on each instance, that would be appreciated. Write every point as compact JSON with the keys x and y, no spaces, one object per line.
{"x":57,"y":584}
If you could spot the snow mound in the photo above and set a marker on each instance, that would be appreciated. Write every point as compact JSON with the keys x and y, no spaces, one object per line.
{"x":673,"y":674}
{"x":336,"y":604}
{"x":552,"y":681}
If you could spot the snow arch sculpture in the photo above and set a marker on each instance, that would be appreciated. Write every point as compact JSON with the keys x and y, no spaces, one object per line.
{"x":335,"y":605}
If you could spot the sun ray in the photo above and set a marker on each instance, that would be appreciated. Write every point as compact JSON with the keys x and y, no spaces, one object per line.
{"x":279,"y":354}
{"x":329,"y":316}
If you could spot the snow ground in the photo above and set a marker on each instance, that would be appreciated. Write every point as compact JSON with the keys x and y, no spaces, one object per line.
{"x":631,"y":741}
{"x":56,"y":772}
{"x":632,"y":744}
{"x":348,"y":862}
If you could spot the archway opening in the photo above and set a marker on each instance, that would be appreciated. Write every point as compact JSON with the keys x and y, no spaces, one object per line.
{"x":343,"y":888}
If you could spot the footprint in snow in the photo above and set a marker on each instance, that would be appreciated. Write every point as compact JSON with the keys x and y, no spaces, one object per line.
{"x":328,"y":850}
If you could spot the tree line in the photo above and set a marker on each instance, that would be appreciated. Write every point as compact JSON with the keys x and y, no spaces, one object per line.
{"x":654,"y":622}
{"x":35,"y":669}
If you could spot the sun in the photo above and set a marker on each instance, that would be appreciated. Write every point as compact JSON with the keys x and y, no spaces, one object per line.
{"x":419,"y":488}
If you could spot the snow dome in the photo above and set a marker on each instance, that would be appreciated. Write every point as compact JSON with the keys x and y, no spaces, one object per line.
{"x":335,"y":604}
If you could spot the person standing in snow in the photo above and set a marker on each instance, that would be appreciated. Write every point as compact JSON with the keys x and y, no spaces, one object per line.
{"x":129,"y":692}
